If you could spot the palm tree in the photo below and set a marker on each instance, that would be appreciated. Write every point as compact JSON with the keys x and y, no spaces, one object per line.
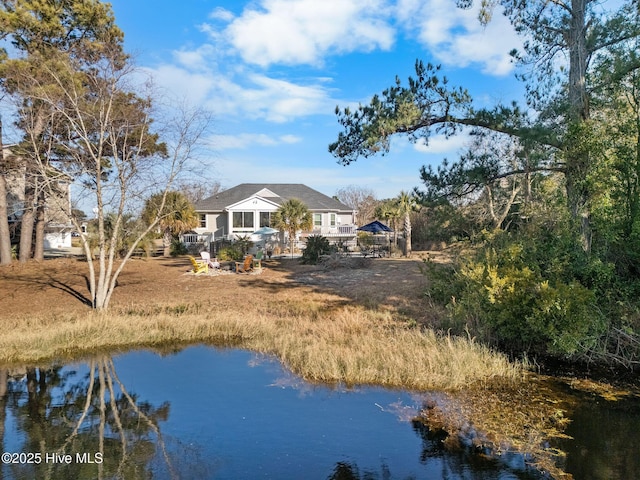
{"x":177,"y":216}
{"x":406,"y":203}
{"x":387,"y":210}
{"x":292,"y":216}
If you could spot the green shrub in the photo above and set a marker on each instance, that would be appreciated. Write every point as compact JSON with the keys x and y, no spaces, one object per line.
{"x":515,"y":295}
{"x":244,"y":244}
{"x":177,"y":248}
{"x":365,"y":239}
{"x":442,"y":281}
{"x":232,"y":253}
{"x":440,"y":223}
{"x":317,"y":245}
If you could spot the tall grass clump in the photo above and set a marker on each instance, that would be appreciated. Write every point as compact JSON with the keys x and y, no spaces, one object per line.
{"x":346,"y":344}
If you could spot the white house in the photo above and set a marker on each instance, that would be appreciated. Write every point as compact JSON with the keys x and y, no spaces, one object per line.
{"x":58,"y":228}
{"x":245,"y":208}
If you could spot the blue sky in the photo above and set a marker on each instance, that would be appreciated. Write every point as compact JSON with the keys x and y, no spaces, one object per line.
{"x":273,"y":71}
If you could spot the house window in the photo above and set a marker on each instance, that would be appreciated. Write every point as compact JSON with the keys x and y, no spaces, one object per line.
{"x":203,"y":220}
{"x":332,"y":219}
{"x":317,"y":219}
{"x":265,"y":219}
{"x":242,"y":219}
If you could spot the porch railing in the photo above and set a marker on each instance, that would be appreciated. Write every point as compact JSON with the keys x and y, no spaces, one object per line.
{"x":337,"y":231}
{"x":189,"y":238}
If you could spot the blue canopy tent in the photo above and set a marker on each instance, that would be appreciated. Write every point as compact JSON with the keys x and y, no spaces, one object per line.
{"x":376,"y":228}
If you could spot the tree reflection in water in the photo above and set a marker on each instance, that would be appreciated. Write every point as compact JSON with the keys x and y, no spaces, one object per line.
{"x":227,"y":421}
{"x":460,"y":461}
{"x":464,"y":463}
{"x":349,"y":471}
{"x":107,"y":431}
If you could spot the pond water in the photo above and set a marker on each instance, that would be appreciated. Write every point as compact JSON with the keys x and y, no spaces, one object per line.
{"x":206,"y":413}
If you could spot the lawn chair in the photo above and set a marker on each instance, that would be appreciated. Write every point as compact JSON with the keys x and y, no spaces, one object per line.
{"x":199,"y":266}
{"x":257,"y":262}
{"x":246,"y":266}
{"x":212,"y":262}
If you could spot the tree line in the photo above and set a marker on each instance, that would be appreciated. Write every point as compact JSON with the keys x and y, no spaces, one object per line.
{"x":396,"y":211}
{"x":547,"y":194}
{"x":84,"y":115}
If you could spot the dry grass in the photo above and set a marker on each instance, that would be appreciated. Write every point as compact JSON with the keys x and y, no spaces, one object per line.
{"x":321,"y":343}
{"x":339,"y":323}
{"x":364,"y":324}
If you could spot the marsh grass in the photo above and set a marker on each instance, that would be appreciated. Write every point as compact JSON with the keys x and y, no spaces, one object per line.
{"x":320,"y":341}
{"x":349,"y":325}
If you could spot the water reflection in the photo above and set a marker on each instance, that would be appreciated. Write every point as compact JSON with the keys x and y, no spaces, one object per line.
{"x":347,"y":471}
{"x":71,"y":425}
{"x":604,"y":441}
{"x":205,"y":413}
{"x":469,"y":462}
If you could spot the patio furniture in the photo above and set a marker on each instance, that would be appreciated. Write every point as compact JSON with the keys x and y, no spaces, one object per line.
{"x":212,"y":262}
{"x":199,"y":266}
{"x":246,"y":266}
{"x":376,"y":228}
{"x":257,"y":261}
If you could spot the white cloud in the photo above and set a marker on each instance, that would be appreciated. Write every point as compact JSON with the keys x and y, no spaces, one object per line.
{"x":240,"y":93}
{"x":220,"y":13}
{"x":256,"y":96}
{"x":456,"y":37}
{"x":439,"y":144}
{"x":290,"y":139}
{"x":304,"y":31}
{"x":198,"y":59}
{"x":280,"y":100}
{"x":248,"y":140}
{"x":180,"y":83}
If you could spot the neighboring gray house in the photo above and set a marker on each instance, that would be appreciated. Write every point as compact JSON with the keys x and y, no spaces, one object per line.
{"x":243,"y":209}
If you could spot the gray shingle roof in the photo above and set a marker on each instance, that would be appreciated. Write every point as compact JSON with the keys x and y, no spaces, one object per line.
{"x":313,"y":199}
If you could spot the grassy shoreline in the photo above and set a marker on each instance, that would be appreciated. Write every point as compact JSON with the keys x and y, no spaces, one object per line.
{"x":351,"y":326}
{"x":321,"y":343}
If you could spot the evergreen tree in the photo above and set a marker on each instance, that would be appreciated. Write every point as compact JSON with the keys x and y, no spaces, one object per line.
{"x":581,"y":31}
{"x":38,"y":32}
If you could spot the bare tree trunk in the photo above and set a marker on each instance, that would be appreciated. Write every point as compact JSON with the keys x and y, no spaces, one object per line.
{"x":166,"y":243}
{"x":27,"y":222}
{"x":578,"y":164}
{"x":38,"y":252}
{"x":395,"y":231}
{"x":578,"y":96}
{"x":498,"y":220}
{"x":5,"y":234}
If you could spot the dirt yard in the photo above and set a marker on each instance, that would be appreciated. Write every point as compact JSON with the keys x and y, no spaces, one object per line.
{"x":60,"y":285}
